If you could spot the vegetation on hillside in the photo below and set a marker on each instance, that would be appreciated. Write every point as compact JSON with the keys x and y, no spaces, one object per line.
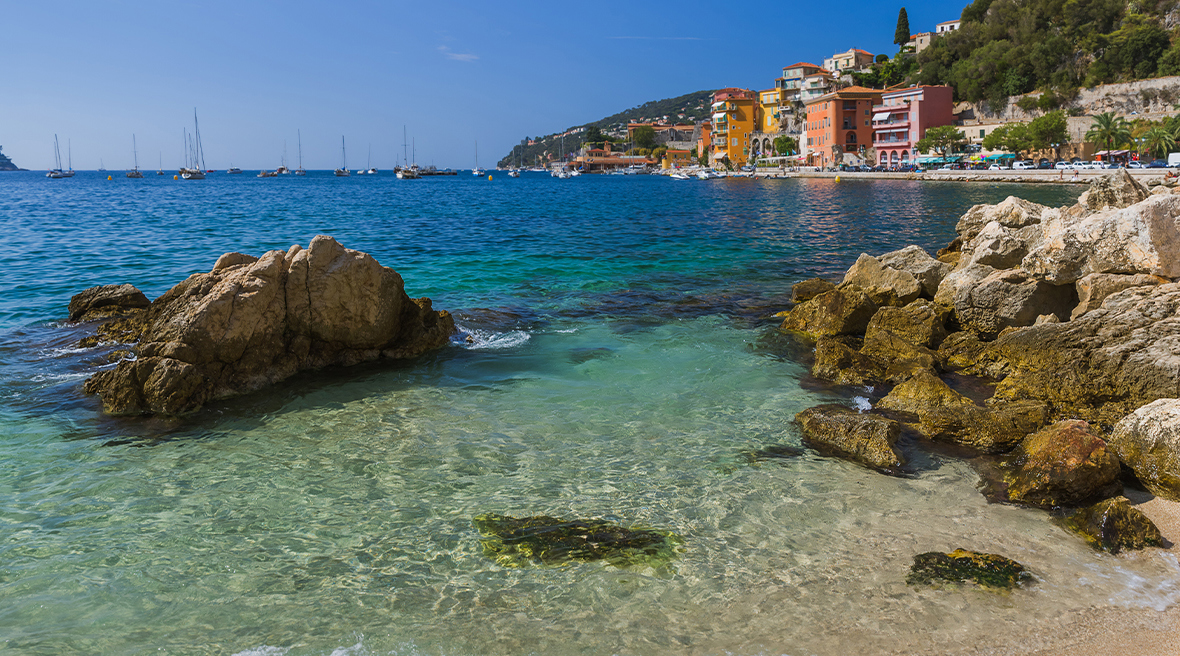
{"x":1010,"y":47}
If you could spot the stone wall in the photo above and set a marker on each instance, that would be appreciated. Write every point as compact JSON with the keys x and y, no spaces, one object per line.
{"x":1152,"y":98}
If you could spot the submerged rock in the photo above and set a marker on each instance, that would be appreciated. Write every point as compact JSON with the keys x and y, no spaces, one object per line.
{"x":1148,"y":441}
{"x":863,"y":438}
{"x":541,"y":540}
{"x":774,"y":452}
{"x":989,"y":571}
{"x":251,"y":322}
{"x":1113,"y":525}
{"x":1063,"y":464}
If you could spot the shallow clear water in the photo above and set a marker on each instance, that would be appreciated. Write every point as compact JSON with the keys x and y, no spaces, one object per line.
{"x":621,"y":366}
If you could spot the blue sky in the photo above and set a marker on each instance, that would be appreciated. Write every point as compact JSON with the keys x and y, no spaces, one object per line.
{"x":452,"y":72}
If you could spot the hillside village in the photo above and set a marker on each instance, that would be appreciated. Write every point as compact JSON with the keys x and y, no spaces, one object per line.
{"x":926,"y":106}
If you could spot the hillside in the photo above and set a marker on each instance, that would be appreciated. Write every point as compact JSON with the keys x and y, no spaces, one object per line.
{"x":5,"y":163}
{"x":689,"y":108}
{"x":1006,"y":48}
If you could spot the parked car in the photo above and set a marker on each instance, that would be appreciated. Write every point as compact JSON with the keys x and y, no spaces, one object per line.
{"x":1045,"y":164}
{"x":1023,"y":165}
{"x":1157,"y":164}
{"x":1063,"y":165}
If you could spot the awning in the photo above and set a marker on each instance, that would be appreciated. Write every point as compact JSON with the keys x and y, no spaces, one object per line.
{"x":721,"y":154}
{"x":719,"y":116}
{"x":881,"y":115}
{"x":1101,"y":152}
{"x":1000,"y":156}
{"x":717,"y":105}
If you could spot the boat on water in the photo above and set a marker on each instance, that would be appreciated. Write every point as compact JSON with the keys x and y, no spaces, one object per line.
{"x":708,"y":174}
{"x":268,"y":174}
{"x":477,"y":171}
{"x":194,"y":164}
{"x":101,"y":167}
{"x":282,"y":170}
{"x":160,"y":171}
{"x":300,"y":171}
{"x":233,"y":170}
{"x":135,"y":172}
{"x":679,"y":175}
{"x":343,"y":171}
{"x":408,"y":171}
{"x":59,"y":172}
{"x":514,"y":173}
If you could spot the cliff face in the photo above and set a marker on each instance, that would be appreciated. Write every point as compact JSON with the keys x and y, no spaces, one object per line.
{"x":5,"y":163}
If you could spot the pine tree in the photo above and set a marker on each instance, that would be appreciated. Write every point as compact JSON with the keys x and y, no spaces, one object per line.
{"x":902,"y":35}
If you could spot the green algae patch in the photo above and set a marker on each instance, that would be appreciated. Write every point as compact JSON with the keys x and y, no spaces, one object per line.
{"x":960,"y":566}
{"x":541,"y":540}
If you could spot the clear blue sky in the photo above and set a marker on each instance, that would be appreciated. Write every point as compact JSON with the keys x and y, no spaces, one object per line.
{"x":453,"y":72}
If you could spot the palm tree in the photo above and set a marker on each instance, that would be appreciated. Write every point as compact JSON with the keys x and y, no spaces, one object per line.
{"x":1158,"y":141}
{"x":1109,"y":130}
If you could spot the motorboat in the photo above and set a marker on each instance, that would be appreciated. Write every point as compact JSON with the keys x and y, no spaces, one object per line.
{"x":268,"y":174}
{"x":514,"y":173}
{"x":233,"y":170}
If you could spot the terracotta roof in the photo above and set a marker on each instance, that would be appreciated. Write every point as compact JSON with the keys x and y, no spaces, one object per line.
{"x":864,"y":51}
{"x":800,"y":64}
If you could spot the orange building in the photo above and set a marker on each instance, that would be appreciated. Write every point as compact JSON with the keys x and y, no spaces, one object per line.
{"x":735,"y":116}
{"x":842,"y":118}
{"x":705,"y":140}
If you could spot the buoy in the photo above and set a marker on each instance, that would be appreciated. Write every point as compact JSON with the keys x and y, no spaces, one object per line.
{"x":489,"y":177}
{"x":837,"y":178}
{"x":175,"y":177}
{"x":108,"y":177}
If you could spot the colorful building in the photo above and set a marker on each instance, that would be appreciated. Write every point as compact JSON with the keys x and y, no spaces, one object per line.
{"x":676,"y":158}
{"x":772,"y":104}
{"x":839,"y":123}
{"x":948,"y":26}
{"x":793,"y":76}
{"x":735,"y":116}
{"x":852,"y":60}
{"x":902,"y":118}
{"x":815,"y":85}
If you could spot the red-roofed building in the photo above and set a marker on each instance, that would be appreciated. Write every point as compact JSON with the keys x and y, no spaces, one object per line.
{"x":853,"y":60}
{"x":840,"y":119}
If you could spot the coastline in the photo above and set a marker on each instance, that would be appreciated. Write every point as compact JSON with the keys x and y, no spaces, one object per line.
{"x":1146,"y":176}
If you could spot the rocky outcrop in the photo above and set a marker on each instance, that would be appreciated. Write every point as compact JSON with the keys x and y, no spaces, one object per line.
{"x":106,"y":300}
{"x":251,"y":322}
{"x":844,"y":311}
{"x":1117,"y":190}
{"x":1148,"y":441}
{"x":987,"y":429}
{"x":1012,"y":212}
{"x":928,"y":271}
{"x":923,"y":392}
{"x":921,"y":323}
{"x":864,"y":438}
{"x":1113,"y":525}
{"x":809,"y":289}
{"x":885,"y":285}
{"x":987,"y":301}
{"x":1095,"y":287}
{"x":1064,"y":464}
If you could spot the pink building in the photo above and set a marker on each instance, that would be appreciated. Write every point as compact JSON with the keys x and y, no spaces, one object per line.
{"x":903,"y":117}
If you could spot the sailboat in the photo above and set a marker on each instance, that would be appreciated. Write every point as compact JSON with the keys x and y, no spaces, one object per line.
{"x":300,"y":171}
{"x":101,"y":167}
{"x":514,"y":172}
{"x":161,"y":170}
{"x":58,"y":172}
{"x":195,"y":157}
{"x":476,"y":171}
{"x":343,"y":172}
{"x":408,"y":172}
{"x":283,"y":170}
{"x":371,"y":170}
{"x":134,"y":173}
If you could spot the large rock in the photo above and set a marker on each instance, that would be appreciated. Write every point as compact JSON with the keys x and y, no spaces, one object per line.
{"x":1001,"y":247}
{"x":809,"y":289}
{"x":928,"y":271}
{"x":1117,"y":190}
{"x":1064,"y":464}
{"x":900,"y":359}
{"x":1113,"y":525}
{"x":1012,"y":213}
{"x":252,"y":322}
{"x":1005,"y":299}
{"x":885,"y":285}
{"x":1148,"y":441}
{"x":1142,"y":238}
{"x":992,"y":429}
{"x":864,"y":438}
{"x":921,"y":323}
{"x":1094,"y":288}
{"x":105,"y":300}
{"x":844,"y":311}
{"x":838,"y":359}
{"x":923,"y":393}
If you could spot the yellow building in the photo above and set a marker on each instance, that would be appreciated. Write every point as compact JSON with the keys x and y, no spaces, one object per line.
{"x":735,"y":116}
{"x":771,"y":104}
{"x":676,"y":158}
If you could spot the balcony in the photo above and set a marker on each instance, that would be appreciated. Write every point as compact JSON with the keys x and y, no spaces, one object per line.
{"x":892,"y":141}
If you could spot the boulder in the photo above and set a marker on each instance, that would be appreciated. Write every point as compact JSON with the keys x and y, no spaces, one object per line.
{"x":1008,"y":298}
{"x":1012,"y":212}
{"x":1148,"y":441}
{"x":1094,"y":288}
{"x":1001,"y":247}
{"x":928,"y":271}
{"x":1117,"y":190}
{"x":960,"y":566}
{"x":992,"y":429}
{"x":885,"y":285}
{"x":839,"y":360}
{"x":542,"y":540}
{"x":809,"y":289}
{"x":899,"y":359}
{"x":864,"y":438}
{"x":921,"y":323}
{"x":922,"y":393}
{"x":1113,"y":525}
{"x":1142,"y":238}
{"x":844,"y":311}
{"x":256,"y":321}
{"x":1064,"y":464}
{"x":104,"y":301}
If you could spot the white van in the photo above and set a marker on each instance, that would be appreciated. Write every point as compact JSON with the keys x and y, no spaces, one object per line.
{"x":1173,"y":160}
{"x":1024,"y":165}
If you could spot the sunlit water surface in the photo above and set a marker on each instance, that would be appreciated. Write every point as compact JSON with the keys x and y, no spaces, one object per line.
{"x":621,"y":365}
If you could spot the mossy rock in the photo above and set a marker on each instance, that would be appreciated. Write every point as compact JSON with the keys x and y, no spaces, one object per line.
{"x":1113,"y":525}
{"x":992,"y":429}
{"x":844,"y":311}
{"x":542,"y":540}
{"x":989,"y":571}
{"x":1064,"y":464}
{"x":809,"y":289}
{"x":865,"y":438}
{"x":773,"y":452}
{"x":898,"y":358}
{"x":839,"y":360}
{"x":923,"y":392}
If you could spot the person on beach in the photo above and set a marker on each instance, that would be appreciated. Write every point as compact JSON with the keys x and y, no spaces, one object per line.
{"x":1075,"y":176}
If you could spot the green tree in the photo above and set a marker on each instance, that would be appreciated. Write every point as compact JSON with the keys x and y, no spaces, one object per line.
{"x":785,"y":145}
{"x":942,"y":140}
{"x":1109,"y":131}
{"x":644,"y":136}
{"x":594,"y":137}
{"x":901,"y":35}
{"x":1159,"y":141}
{"x":1050,"y":130}
{"x":1012,"y":137}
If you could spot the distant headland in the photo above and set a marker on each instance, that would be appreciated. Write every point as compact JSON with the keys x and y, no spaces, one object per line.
{"x":5,"y":163}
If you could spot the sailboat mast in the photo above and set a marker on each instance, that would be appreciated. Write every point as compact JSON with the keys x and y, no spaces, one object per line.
{"x":299,"y":135}
{"x":405,"y":144}
{"x":135,"y":151}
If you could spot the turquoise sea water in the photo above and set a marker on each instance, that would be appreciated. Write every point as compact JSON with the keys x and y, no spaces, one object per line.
{"x":620,"y":364}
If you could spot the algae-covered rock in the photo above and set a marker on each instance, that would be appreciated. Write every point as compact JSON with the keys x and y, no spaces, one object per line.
{"x":773,"y":452}
{"x":922,"y":393}
{"x":839,"y":360}
{"x":809,"y":289}
{"x":864,"y":438}
{"x":899,"y":359}
{"x":994,"y":429}
{"x":989,"y":571}
{"x":541,"y":540}
{"x":844,"y":311}
{"x":885,"y":285}
{"x":1113,"y":525}
{"x":1063,"y":464}
{"x":922,"y":323}
{"x":1148,"y":441}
